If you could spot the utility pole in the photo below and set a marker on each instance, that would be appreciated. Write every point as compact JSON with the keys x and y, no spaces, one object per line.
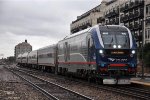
{"x":142,"y":49}
{"x":143,"y":38}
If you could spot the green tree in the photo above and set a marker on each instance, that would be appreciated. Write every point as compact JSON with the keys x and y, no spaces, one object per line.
{"x":147,"y":59}
{"x":146,"y":54}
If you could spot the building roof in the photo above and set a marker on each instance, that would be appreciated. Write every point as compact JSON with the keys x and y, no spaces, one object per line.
{"x":87,"y":13}
{"x":23,"y":43}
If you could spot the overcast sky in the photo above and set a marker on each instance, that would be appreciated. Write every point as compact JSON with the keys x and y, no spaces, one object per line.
{"x":41,"y":22}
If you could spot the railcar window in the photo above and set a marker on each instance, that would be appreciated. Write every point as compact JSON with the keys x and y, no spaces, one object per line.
{"x":49,"y":54}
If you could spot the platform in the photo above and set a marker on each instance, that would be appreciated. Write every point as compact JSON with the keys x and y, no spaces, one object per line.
{"x":140,"y":81}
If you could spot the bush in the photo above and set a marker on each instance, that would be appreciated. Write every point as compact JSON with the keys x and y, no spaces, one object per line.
{"x":147,"y":59}
{"x":146,"y":54}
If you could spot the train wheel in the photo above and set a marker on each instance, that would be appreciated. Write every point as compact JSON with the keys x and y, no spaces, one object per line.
{"x":89,"y":79}
{"x":99,"y":81}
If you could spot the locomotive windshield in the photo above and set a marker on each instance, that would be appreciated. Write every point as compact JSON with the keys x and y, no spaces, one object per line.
{"x":115,"y":40}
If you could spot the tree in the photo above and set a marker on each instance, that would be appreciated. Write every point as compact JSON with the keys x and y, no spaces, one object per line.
{"x":147,"y":59}
{"x":146,"y":54}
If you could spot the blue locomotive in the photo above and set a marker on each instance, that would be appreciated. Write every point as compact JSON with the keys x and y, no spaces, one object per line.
{"x":104,"y":53}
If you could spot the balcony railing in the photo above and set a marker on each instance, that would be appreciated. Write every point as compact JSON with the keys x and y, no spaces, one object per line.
{"x":114,"y":13}
{"x":117,"y":21}
{"x":130,"y":26}
{"x":141,"y":2}
{"x":132,"y":5}
{"x":108,"y":15}
{"x":126,"y":18}
{"x":122,"y":8}
{"x":136,"y":26}
{"x":111,"y":14}
{"x":136,"y":14}
{"x":141,"y":13}
{"x":126,"y":7}
{"x":136,"y":3}
{"x":140,"y":26}
{"x":75,"y":30}
{"x":100,"y":20}
{"x":131,"y":15}
{"x":122,"y":19}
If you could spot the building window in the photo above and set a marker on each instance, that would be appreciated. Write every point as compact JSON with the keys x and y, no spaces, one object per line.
{"x":148,"y":9}
{"x":147,"y":20}
{"x":148,"y":34}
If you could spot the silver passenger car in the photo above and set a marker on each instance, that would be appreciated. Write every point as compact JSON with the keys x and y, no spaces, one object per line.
{"x":32,"y":58}
{"x":25,"y":58}
{"x":46,"y":57}
{"x":19,"y":59}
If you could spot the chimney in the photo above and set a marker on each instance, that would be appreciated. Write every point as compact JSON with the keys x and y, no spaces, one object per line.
{"x":26,"y":41}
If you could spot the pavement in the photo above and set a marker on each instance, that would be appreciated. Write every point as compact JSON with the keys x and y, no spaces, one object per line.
{"x":141,"y":81}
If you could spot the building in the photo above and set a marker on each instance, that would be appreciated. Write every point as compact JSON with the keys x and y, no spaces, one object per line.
{"x":147,"y":21}
{"x":22,"y":48}
{"x":129,"y":12}
{"x":10,"y":59}
{"x":134,"y":14}
{"x":88,"y":19}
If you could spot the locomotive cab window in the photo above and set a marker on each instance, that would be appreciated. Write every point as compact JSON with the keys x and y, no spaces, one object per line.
{"x":115,"y":40}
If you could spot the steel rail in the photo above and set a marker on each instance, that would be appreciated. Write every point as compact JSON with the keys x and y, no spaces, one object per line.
{"x":48,"y":82}
{"x":48,"y":95}
{"x":69,"y":90}
{"x":135,"y":89}
{"x":125,"y":91}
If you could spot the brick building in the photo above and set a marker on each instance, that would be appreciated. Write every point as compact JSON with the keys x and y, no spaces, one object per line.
{"x":22,"y":48}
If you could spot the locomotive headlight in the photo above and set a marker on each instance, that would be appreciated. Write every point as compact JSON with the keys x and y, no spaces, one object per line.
{"x":100,"y":51}
{"x":119,"y":46}
{"x":133,"y":51}
{"x":114,"y":46}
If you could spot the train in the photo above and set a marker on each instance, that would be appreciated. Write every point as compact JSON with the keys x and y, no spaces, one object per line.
{"x":105,"y":53}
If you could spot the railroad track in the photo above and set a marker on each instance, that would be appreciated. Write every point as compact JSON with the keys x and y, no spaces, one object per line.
{"x":125,"y":90}
{"x":51,"y":90}
{"x":133,"y":92}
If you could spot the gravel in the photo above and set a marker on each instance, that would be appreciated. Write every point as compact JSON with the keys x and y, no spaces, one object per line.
{"x":13,"y":88}
{"x":96,"y":94}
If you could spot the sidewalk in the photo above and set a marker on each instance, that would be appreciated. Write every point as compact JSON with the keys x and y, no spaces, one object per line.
{"x":140,"y":81}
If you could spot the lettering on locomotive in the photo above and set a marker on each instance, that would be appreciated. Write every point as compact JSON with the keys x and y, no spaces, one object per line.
{"x":117,"y":52}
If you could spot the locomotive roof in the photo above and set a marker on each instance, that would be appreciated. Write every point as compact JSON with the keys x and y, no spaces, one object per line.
{"x":77,"y":33}
{"x":112,"y":28}
{"x":20,"y":55}
{"x":33,"y":52}
{"x":25,"y":54}
{"x":47,"y":46}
